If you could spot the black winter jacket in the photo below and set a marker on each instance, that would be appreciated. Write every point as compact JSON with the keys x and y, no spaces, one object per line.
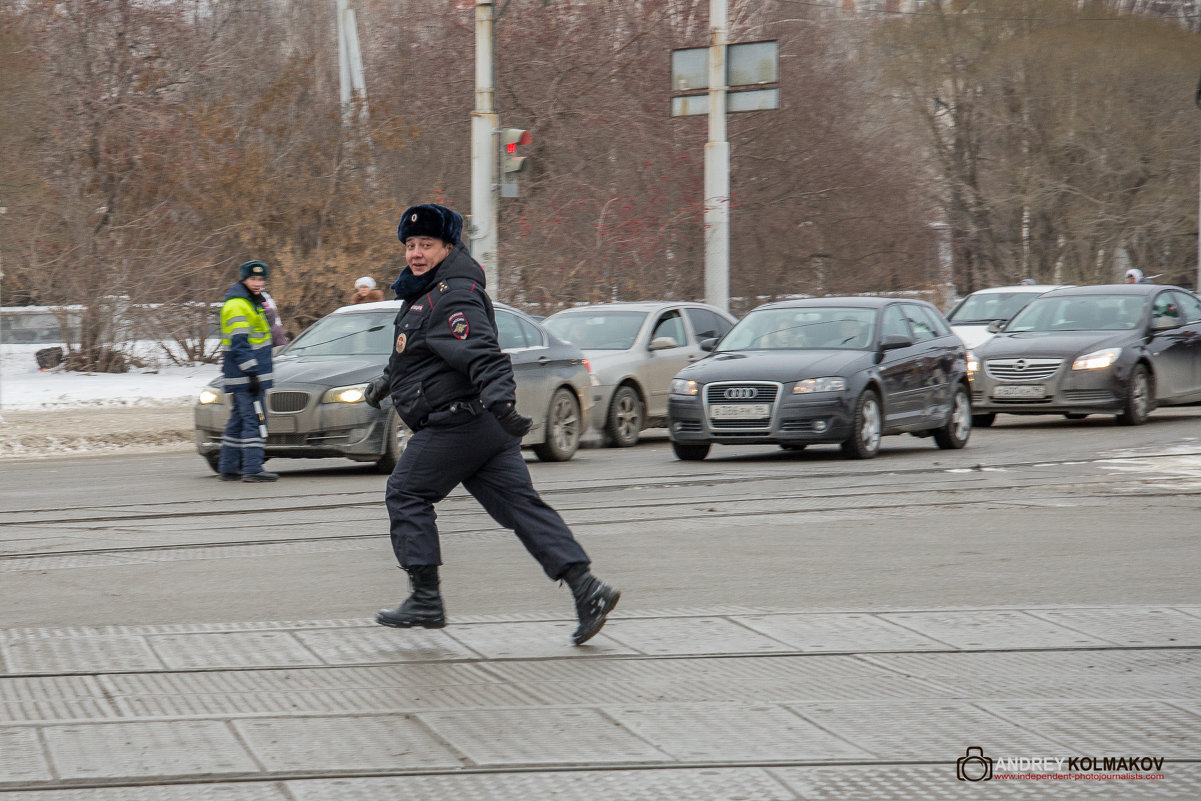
{"x":446,"y":348}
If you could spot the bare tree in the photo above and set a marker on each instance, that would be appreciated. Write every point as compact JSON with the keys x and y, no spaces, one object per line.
{"x":1051,"y":162}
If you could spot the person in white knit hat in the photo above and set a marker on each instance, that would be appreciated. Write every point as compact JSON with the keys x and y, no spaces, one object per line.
{"x":365,"y":291}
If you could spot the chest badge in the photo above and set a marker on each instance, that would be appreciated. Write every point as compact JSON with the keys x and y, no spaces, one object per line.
{"x":401,"y":341}
{"x":459,"y":328}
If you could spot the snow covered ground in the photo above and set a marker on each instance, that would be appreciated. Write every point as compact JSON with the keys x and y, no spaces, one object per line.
{"x":26,"y":387}
{"x":60,"y":413}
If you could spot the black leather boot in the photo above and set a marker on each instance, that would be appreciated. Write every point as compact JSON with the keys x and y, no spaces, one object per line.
{"x":422,"y":609}
{"x":594,"y":599}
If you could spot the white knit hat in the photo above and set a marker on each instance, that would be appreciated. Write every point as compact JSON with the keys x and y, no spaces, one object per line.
{"x":366,"y":281}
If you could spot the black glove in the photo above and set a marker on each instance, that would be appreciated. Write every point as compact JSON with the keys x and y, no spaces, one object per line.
{"x":252,"y":384}
{"x":376,"y":391}
{"x":512,"y":422}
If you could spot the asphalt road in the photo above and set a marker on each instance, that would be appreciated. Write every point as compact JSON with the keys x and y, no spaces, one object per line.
{"x":1035,"y":511}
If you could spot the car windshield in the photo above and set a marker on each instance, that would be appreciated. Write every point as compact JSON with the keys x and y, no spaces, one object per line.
{"x":1079,"y":313}
{"x":597,"y":330}
{"x":357,"y":334}
{"x":984,"y":307}
{"x":807,"y":328}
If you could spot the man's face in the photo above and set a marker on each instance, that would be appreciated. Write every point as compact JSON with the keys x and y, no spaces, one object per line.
{"x":424,"y":253}
{"x":255,"y":283}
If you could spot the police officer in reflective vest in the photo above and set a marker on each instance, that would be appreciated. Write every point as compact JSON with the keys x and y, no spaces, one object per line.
{"x":246,"y":367}
{"x":453,"y":386}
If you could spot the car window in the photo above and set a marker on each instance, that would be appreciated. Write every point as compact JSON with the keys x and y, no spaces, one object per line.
{"x":1079,"y":313}
{"x":1189,"y":305}
{"x":358,"y":334}
{"x":706,"y":324}
{"x":895,"y":324}
{"x":597,"y":330}
{"x":671,"y":324}
{"x":789,"y":328}
{"x":984,"y":307}
{"x":937,"y":324}
{"x":533,"y":335}
{"x":919,"y":322}
{"x":1167,"y":304}
{"x":508,"y":332}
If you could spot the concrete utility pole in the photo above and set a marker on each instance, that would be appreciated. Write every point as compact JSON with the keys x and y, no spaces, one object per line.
{"x":350,"y":63}
{"x":1197,"y":286}
{"x":717,"y":167}
{"x":484,"y":124}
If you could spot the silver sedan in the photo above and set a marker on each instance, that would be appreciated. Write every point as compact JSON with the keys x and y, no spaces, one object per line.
{"x":316,"y":408}
{"x":635,"y":350}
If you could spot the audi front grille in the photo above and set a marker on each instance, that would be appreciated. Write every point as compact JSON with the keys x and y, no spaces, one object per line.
{"x":741,"y":393}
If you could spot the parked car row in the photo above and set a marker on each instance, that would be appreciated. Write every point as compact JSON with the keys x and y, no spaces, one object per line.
{"x":316,"y":408}
{"x":846,"y":371}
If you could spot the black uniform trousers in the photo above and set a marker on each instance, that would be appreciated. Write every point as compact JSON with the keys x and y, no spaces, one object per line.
{"x":473,"y":450}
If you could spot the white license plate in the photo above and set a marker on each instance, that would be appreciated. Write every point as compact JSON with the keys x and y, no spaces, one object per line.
{"x":1020,"y":391}
{"x":739,"y":411}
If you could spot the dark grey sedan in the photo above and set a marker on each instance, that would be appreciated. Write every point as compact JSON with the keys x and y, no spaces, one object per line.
{"x":1119,"y":349}
{"x":825,"y":370}
{"x":316,"y":408}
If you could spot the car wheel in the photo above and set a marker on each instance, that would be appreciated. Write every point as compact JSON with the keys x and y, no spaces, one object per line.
{"x":625,"y":418}
{"x":213,"y":459}
{"x":984,"y":420}
{"x":794,"y":446}
{"x":396,"y":436}
{"x":1138,"y":398}
{"x":1074,"y":415}
{"x":958,"y":428}
{"x":690,"y":451}
{"x":868,"y":422}
{"x":562,"y":428}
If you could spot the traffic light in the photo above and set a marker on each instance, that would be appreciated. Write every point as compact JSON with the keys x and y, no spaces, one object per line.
{"x":510,"y":139}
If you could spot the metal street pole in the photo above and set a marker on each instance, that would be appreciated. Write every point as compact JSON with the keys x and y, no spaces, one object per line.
{"x":350,"y":63}
{"x":717,"y":167}
{"x":3,"y":211}
{"x":1197,"y":285}
{"x":484,"y":157}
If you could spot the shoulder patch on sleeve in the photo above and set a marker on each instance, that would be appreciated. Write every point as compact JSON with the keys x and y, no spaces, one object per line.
{"x":459,"y":327}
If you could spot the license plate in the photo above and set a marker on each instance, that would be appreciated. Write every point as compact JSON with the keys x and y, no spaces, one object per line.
{"x":1020,"y":391}
{"x":739,"y":411}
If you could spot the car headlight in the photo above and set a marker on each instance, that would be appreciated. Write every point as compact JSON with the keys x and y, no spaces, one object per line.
{"x":973,"y":365}
{"x":1097,"y":360}
{"x":208,"y":397}
{"x":684,"y":386}
{"x":352,"y":394}
{"x":830,"y":383}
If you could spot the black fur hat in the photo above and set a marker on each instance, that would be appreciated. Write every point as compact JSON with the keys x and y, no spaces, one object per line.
{"x":256,"y":269}
{"x":430,"y":219}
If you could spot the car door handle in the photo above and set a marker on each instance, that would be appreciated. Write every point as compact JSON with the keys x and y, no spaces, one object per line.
{"x":543,"y":360}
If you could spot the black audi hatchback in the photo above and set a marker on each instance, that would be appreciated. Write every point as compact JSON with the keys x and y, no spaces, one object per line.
{"x":845,"y":370}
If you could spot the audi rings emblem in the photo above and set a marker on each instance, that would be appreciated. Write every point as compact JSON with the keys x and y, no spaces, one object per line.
{"x":739,"y":393}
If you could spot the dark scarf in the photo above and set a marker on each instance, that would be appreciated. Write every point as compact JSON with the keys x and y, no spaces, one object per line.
{"x":409,"y":286}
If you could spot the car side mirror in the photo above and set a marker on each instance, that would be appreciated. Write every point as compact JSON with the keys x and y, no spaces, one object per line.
{"x":995,"y":326}
{"x":1165,"y":323}
{"x":709,"y":344}
{"x":662,"y":343}
{"x":894,"y":341}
